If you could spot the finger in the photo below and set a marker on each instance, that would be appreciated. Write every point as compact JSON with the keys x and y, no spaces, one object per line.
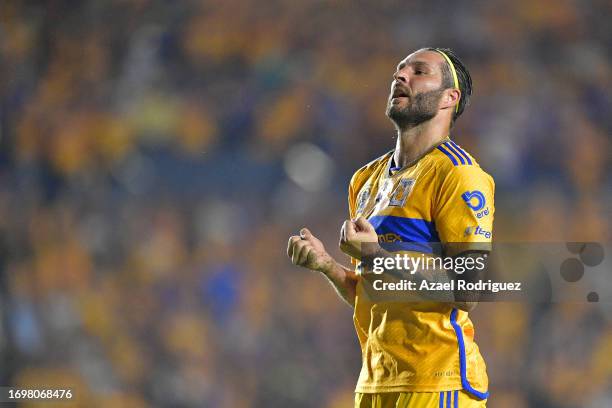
{"x":305,"y":233}
{"x":363,"y":224}
{"x":303,"y":256}
{"x":299,"y":247}
{"x":296,"y":249}
{"x":291,"y":244}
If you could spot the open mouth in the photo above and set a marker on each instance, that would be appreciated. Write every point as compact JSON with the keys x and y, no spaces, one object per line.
{"x":399,"y":93}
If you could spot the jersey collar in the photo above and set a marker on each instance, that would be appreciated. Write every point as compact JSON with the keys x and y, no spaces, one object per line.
{"x":393,"y":170}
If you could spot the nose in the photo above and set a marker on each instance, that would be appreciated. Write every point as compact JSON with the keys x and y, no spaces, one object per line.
{"x":400,"y":77}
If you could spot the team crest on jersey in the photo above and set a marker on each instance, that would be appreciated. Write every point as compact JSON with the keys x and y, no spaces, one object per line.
{"x":400,"y":194}
{"x":362,"y":198}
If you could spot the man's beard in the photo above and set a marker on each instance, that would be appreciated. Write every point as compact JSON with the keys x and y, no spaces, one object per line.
{"x":422,"y":107}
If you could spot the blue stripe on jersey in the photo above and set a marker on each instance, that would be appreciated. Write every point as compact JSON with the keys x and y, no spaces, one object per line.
{"x":467,"y":157}
{"x":450,"y":156}
{"x":448,"y":399}
{"x":462,"y":363}
{"x":456,"y":396}
{"x":452,"y":149}
{"x":412,"y":230}
{"x":441,"y":400}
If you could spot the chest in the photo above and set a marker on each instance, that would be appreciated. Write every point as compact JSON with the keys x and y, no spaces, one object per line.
{"x":409,"y":194}
{"x":401,"y":208}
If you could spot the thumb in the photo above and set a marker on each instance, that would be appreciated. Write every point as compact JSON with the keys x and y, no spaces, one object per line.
{"x":363,"y":224}
{"x":305,"y":233}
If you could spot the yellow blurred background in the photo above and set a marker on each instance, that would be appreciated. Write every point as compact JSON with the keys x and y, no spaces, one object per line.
{"x":156,"y":155}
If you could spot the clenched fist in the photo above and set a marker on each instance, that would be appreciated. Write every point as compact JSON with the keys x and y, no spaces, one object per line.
{"x":358,"y":238}
{"x":306,"y":250}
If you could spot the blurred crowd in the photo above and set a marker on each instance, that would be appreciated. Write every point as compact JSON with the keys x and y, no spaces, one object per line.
{"x":156,"y":155}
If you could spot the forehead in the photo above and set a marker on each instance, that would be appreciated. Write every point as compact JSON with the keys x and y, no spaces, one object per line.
{"x":428,"y":58}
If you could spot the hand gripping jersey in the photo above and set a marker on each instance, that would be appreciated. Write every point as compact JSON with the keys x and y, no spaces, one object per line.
{"x":445,"y":197}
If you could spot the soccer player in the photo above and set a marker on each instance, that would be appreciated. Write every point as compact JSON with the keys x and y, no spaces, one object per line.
{"x":427,"y":190}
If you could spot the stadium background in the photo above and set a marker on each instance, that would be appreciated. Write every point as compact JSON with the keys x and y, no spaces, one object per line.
{"x":156,"y":155}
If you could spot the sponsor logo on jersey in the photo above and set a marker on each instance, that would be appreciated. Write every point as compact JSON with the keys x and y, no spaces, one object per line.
{"x":474,"y":199}
{"x":483,"y":213}
{"x":477,"y":230}
{"x":389,"y":237}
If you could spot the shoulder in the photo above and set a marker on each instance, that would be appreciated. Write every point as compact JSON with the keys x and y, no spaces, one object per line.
{"x":455,"y":163}
{"x":364,"y":172}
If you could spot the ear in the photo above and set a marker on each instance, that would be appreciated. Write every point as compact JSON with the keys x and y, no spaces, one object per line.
{"x":451,"y":98}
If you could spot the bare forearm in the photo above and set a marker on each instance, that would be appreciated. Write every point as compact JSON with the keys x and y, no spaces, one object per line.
{"x":343,"y":280}
{"x":308,"y":251}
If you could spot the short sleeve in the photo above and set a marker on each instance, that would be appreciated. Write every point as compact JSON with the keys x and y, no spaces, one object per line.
{"x":464,"y":209}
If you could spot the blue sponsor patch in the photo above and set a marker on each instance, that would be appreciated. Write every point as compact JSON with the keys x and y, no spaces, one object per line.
{"x":474,"y":199}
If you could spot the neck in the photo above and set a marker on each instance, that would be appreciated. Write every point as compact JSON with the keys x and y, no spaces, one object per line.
{"x":413,"y":142}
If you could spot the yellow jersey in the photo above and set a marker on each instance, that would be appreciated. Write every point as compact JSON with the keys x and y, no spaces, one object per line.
{"x":445,"y":197}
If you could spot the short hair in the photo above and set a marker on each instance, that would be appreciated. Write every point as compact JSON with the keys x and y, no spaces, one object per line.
{"x":463,"y":77}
